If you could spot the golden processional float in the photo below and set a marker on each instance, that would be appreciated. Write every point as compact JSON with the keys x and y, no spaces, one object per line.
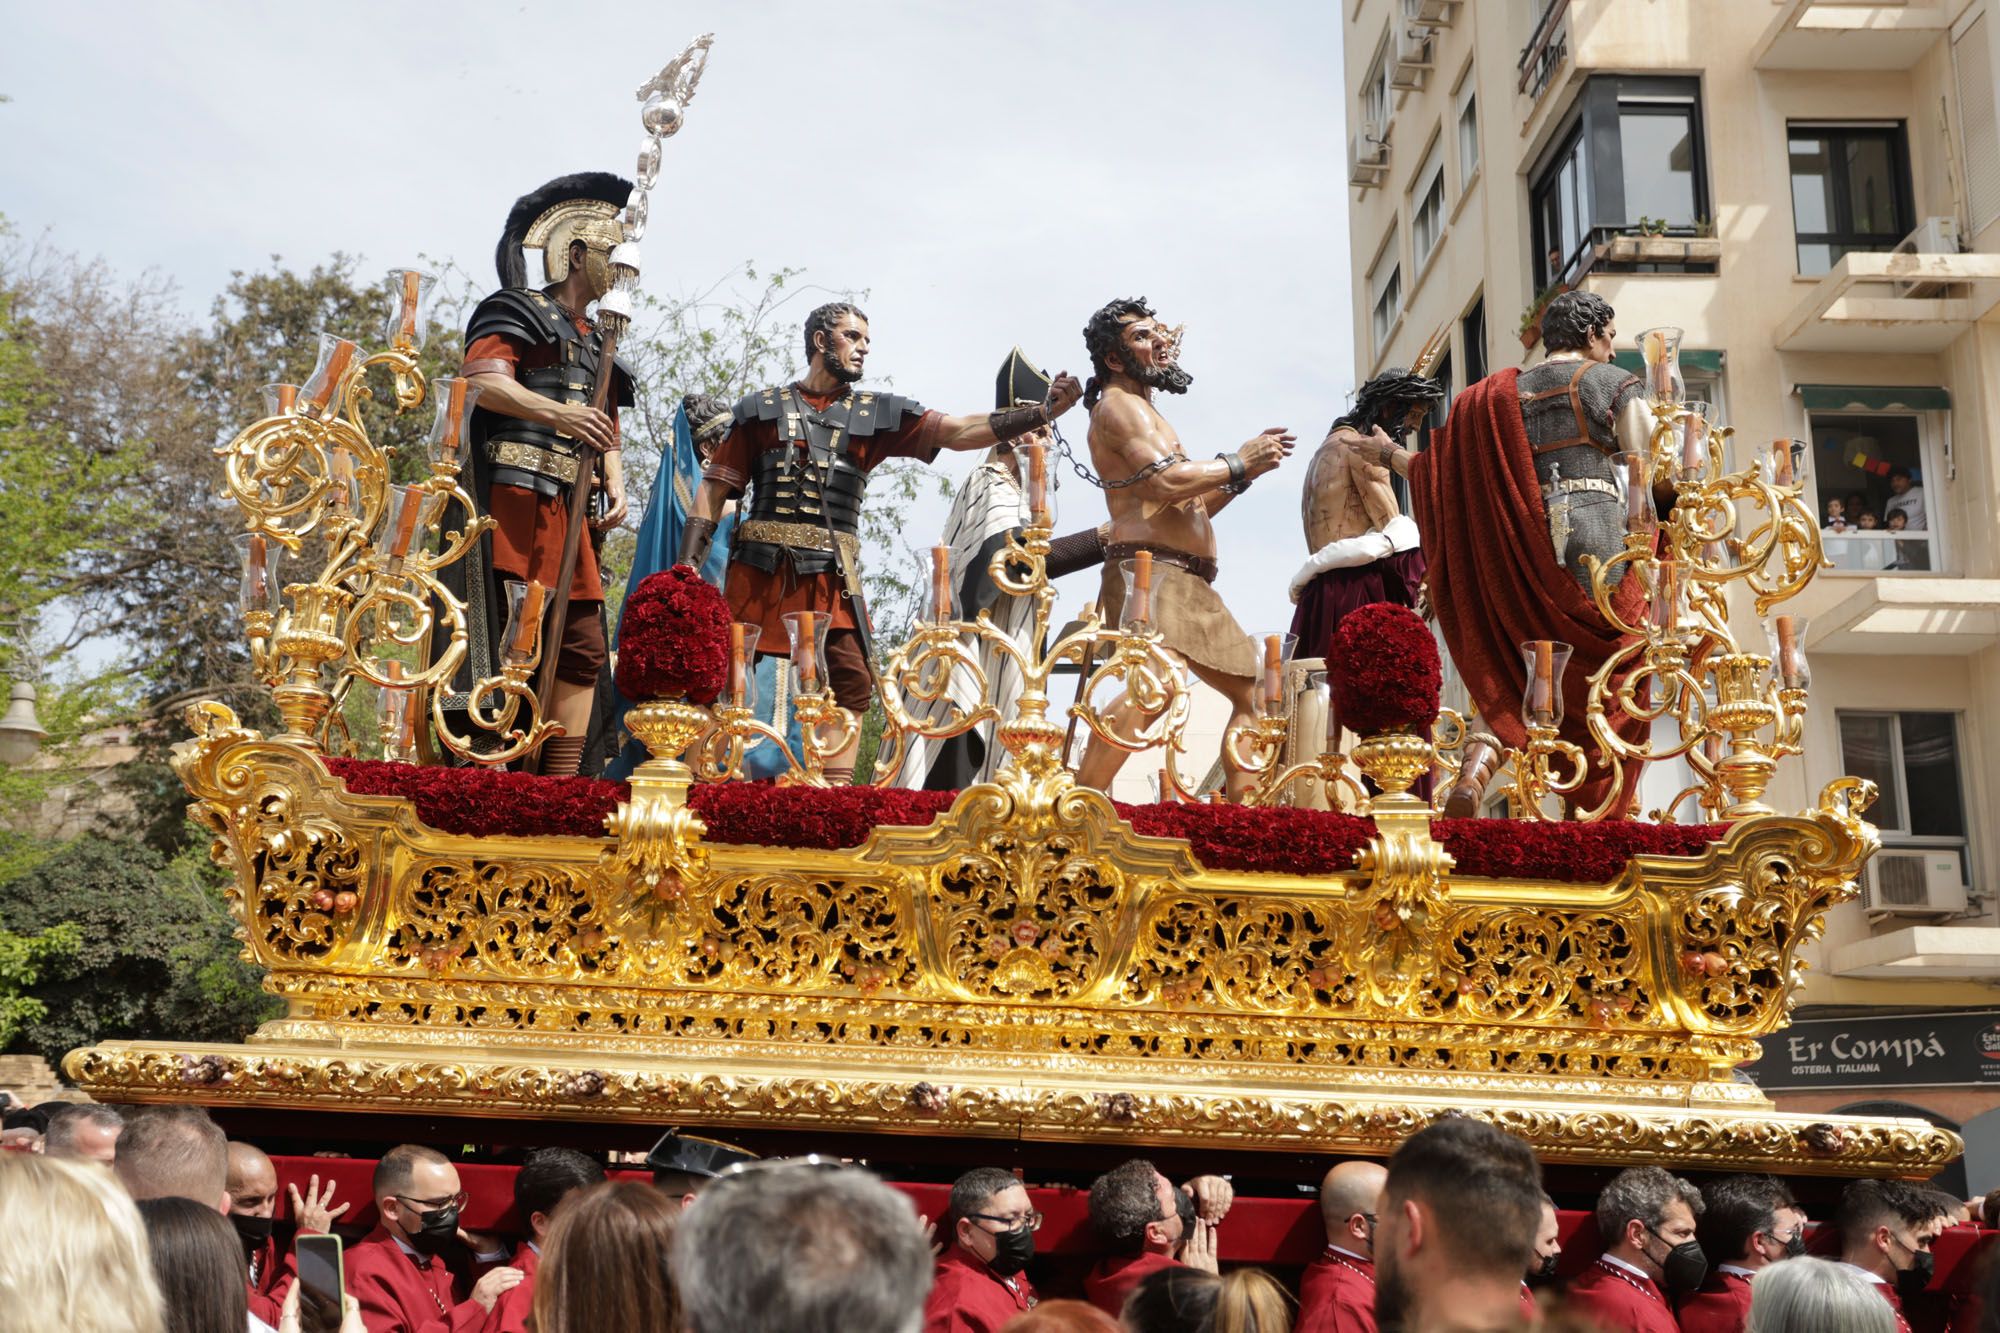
{"x":1022,"y":960}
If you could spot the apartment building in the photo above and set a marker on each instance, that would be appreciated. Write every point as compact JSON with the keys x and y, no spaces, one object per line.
{"x":1812,"y":191}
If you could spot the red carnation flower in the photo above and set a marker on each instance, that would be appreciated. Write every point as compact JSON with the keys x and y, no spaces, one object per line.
{"x":673,"y":639}
{"x":1385,"y":671}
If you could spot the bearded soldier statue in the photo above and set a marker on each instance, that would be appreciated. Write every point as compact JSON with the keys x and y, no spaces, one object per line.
{"x":534,"y":356}
{"x":803,"y":451}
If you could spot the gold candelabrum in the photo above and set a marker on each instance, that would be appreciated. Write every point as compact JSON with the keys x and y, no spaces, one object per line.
{"x":1729,"y":712}
{"x":315,"y":488}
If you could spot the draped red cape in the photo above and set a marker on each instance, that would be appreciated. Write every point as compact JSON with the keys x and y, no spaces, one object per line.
{"x":1493,"y":579}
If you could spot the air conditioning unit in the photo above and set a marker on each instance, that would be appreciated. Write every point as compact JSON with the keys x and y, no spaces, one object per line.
{"x":1914,"y":881}
{"x":1938,"y":236}
{"x":1430,"y":13}
{"x":1412,"y":58}
{"x":1367,"y":155}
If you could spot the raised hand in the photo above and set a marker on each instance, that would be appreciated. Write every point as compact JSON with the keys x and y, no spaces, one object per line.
{"x":315,"y":1212}
{"x":1064,"y":390}
{"x":1265,"y":451}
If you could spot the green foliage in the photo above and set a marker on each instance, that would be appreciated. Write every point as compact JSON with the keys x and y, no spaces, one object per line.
{"x":156,"y":955}
{"x":22,"y":958}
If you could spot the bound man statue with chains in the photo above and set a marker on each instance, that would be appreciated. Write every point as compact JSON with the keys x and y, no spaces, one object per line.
{"x":1525,"y":478}
{"x":534,"y":355}
{"x":804,"y":451}
{"x":1164,"y":502}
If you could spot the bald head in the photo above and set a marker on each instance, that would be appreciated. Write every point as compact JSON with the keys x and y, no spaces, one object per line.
{"x":399,"y":1167}
{"x":174,"y":1152}
{"x":1347,"y":1204}
{"x":253,"y":1181}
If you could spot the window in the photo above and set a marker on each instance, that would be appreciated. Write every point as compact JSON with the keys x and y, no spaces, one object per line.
{"x":1468,"y":135}
{"x":1631,"y":152}
{"x":1472,"y":333}
{"x":1850,"y":190}
{"x":1913,"y":759}
{"x":1385,"y":294}
{"x":1375,"y":92}
{"x":1427,"y":209}
{"x":1875,"y":513}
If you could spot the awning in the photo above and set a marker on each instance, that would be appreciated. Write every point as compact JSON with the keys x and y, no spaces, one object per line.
{"x":1873,"y":397}
{"x":1705,"y":363}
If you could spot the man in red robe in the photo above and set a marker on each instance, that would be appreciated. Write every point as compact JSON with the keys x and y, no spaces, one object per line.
{"x":253,"y":1205}
{"x":1147,"y":1223}
{"x":412,"y":1273}
{"x":1548,"y":1255}
{"x":1456,"y":1227}
{"x":547,"y":1177}
{"x":1886,"y":1229}
{"x":1515,"y":489}
{"x":1751,"y":1222}
{"x":1648,"y":1218}
{"x":804,"y":452}
{"x":1337,"y":1291}
{"x":981,"y":1279}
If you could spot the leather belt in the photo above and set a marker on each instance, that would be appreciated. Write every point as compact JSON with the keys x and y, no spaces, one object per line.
{"x":805,"y":536}
{"x":1201,"y":566}
{"x":1584,"y":484}
{"x":532,"y":458}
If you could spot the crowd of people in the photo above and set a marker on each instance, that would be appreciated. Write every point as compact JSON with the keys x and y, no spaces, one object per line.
{"x":150,"y":1221}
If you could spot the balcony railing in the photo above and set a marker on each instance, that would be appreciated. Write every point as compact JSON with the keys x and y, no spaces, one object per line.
{"x":1547,"y":48}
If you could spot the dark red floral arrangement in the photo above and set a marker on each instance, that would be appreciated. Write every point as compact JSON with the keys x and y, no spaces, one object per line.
{"x":481,"y":802}
{"x":1385,"y":672}
{"x":673,"y":639}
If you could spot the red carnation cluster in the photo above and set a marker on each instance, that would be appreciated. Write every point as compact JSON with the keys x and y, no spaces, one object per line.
{"x":1385,"y":672}
{"x":482,"y":802}
{"x":673,"y":639}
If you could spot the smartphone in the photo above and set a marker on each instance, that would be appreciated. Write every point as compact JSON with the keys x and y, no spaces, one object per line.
{"x":322,"y":1284}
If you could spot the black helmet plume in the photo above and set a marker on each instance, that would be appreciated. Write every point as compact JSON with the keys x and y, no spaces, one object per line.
{"x":607,"y":186}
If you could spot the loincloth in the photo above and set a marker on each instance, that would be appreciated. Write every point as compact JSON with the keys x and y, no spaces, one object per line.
{"x":1187,"y":611}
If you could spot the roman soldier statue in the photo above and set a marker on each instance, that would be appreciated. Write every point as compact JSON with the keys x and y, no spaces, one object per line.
{"x":803,"y":451}
{"x":534,"y":354}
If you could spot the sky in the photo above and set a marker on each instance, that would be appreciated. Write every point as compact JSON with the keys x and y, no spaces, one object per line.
{"x":989,"y":174}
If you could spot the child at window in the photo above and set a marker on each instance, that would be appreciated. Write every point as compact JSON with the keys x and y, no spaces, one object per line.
{"x":1836,"y":515}
{"x":1867,"y":521}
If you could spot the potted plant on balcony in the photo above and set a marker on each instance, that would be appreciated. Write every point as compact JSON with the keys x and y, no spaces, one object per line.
{"x":1531,"y":318}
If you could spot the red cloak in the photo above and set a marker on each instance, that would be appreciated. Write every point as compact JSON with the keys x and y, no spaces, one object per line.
{"x":1494,"y":582}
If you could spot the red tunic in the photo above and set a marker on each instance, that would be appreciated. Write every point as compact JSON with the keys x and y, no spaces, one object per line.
{"x":1493,"y":576}
{"x":1895,"y":1301}
{"x":758,"y":598}
{"x":968,"y":1297}
{"x":529,"y":526}
{"x":1112,"y":1280}
{"x":1531,"y":1310}
{"x":1721,"y":1306}
{"x":271,"y":1276}
{"x":1620,"y":1301}
{"x":1337,"y":1295}
{"x":511,"y":1311}
{"x":397,"y":1297}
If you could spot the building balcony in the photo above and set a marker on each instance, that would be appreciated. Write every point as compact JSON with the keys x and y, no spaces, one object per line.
{"x":1844,"y":35}
{"x":1931,"y":953}
{"x":1883,"y":301}
{"x":1899,"y":614}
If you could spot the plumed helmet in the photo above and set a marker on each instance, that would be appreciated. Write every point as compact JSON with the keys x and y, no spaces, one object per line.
{"x":583,"y":207}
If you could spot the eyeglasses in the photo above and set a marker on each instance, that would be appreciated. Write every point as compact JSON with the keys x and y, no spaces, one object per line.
{"x":432,"y":1205}
{"x":1032,"y":1222}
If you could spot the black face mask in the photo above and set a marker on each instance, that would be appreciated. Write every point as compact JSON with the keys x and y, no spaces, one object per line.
{"x":1796,"y":1244}
{"x":1685,"y":1265}
{"x":1545,"y":1270}
{"x":440,"y":1228}
{"x":254,"y":1230}
{"x":1011,"y":1251}
{"x":1184,"y":1204}
{"x":1911,"y":1281}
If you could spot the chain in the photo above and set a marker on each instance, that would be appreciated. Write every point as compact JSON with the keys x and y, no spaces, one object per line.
{"x":1157,"y":465}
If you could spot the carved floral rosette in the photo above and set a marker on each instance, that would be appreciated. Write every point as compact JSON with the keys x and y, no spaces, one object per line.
{"x":1027,"y":966}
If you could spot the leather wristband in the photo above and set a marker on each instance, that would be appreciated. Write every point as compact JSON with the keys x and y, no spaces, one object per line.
{"x":1073,"y":551}
{"x":1016,"y":421}
{"x":1237,"y":469}
{"x":696,"y":538}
